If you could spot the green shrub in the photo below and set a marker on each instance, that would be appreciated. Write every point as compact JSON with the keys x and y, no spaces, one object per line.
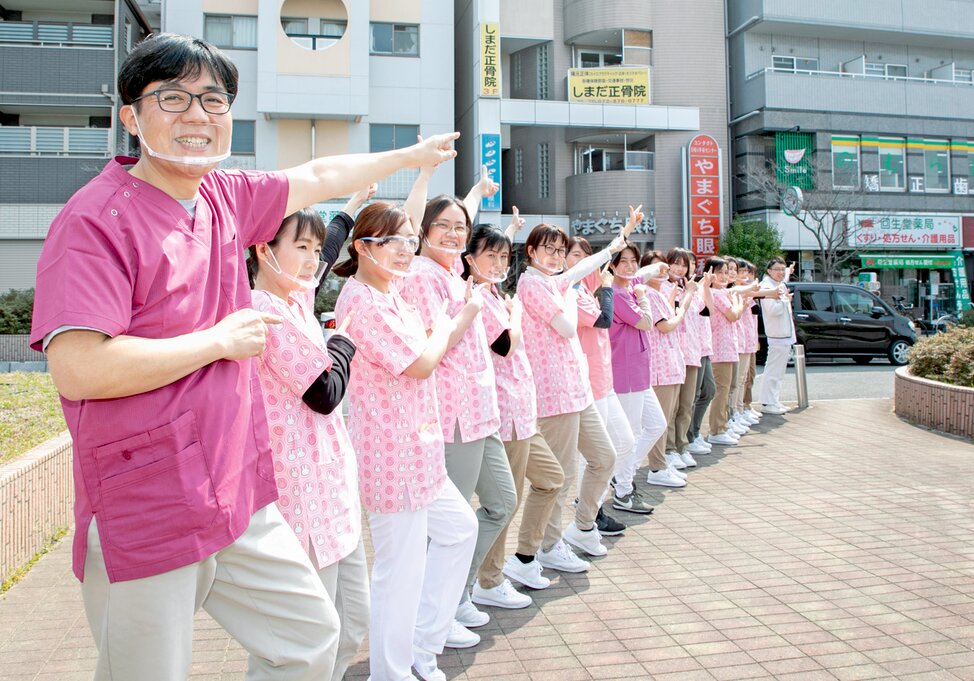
{"x":946,"y":357}
{"x":967,"y":318}
{"x":753,"y":240}
{"x":16,"y":308}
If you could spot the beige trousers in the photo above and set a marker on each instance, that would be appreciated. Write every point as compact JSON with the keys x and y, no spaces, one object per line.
{"x":533,"y":460}
{"x":261,"y":588}
{"x":668,"y":396}
{"x":723,"y":375}
{"x":569,"y":435}
{"x":347,"y":583}
{"x":678,"y":426}
{"x":752,"y":370}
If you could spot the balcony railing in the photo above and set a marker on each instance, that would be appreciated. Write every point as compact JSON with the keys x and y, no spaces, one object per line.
{"x":853,"y":75}
{"x":55,"y":34}
{"x":602,"y":160}
{"x":43,"y":141}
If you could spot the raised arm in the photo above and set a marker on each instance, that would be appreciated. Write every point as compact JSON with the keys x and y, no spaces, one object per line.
{"x":416,"y":201}
{"x":330,"y":176}
{"x":587,"y":265}
{"x":484,"y":187}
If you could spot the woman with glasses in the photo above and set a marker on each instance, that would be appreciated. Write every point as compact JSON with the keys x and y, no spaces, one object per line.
{"x":567,"y":416}
{"x":422,"y":527}
{"x":465,"y":383}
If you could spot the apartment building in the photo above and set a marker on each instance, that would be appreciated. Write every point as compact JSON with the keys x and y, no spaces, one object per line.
{"x":58,"y":113}
{"x":322,"y":77}
{"x":591,"y":105}
{"x":865,"y":106}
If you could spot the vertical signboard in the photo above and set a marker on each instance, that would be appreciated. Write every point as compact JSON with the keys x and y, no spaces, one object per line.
{"x":490,"y":157}
{"x":490,"y":61}
{"x":702,"y":173}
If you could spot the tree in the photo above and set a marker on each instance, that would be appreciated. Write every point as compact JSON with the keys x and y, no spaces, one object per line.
{"x":752,"y":239}
{"x":825,"y":214}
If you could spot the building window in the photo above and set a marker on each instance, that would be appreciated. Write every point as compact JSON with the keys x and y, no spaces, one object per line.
{"x":384,"y":137}
{"x":242,"y":138}
{"x":936,"y":165}
{"x":962,"y":75}
{"x":231,"y":32}
{"x":518,"y":165}
{"x":543,"y":71}
{"x":892,"y":169}
{"x":128,"y":36}
{"x":794,"y":64}
{"x":314,"y":33}
{"x":594,"y":59}
{"x":400,"y":40}
{"x":517,"y":74}
{"x":543,"y":180}
{"x":880,"y":70}
{"x":845,"y":162}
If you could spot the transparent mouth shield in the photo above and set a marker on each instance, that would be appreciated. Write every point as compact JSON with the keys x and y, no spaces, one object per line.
{"x":198,"y":144}
{"x":309,"y":282}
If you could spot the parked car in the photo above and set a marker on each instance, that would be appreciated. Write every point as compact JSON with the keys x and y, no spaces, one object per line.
{"x":839,"y":320}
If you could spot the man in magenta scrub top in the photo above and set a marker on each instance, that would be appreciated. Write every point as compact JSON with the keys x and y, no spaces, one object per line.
{"x":142,"y":306}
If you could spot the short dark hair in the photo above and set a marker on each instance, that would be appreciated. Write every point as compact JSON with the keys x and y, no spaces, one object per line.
{"x":308,"y":223}
{"x":437,"y":205}
{"x":170,"y":56}
{"x":714,"y":263}
{"x":544,"y":234}
{"x":777,"y":260}
{"x":631,"y":247}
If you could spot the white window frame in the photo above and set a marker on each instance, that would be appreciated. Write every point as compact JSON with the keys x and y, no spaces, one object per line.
{"x":396,"y":27}
{"x":858,"y":167}
{"x":544,"y":175}
{"x":967,"y":75}
{"x":793,"y":68}
{"x":884,"y":67}
{"x":603,"y":53}
{"x":234,"y":18}
{"x":903,"y":175}
{"x":926,"y":184}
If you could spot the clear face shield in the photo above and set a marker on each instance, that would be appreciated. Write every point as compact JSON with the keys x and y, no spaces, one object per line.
{"x":398,"y":244}
{"x":199,"y":143}
{"x":305,"y":277}
{"x":493,"y":278}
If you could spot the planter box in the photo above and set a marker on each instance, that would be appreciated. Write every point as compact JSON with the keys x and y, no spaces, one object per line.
{"x":943,"y":407}
{"x":36,"y":498}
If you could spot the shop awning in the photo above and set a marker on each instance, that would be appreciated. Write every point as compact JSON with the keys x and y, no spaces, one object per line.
{"x":923,"y":261}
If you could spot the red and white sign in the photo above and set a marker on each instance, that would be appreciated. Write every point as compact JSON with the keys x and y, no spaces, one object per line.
{"x":704,"y":195}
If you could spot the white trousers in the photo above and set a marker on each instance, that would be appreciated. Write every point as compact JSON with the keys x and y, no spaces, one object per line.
{"x":648,"y":423}
{"x":261,"y":588}
{"x":774,"y":371}
{"x":347,"y":584}
{"x":416,"y":589}
{"x":618,"y":428}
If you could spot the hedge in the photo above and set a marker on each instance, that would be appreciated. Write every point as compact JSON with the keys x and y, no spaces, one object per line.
{"x":947,"y":357}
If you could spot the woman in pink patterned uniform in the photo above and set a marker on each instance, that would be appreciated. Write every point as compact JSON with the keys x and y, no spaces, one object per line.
{"x":567,"y":416}
{"x":395,"y":429}
{"x":303,"y":380}
{"x":728,"y":306}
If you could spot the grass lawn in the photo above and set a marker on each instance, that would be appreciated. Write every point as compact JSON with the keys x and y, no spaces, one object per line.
{"x":30,"y":412}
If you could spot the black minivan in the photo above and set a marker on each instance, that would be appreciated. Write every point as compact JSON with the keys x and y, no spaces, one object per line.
{"x":839,"y":320}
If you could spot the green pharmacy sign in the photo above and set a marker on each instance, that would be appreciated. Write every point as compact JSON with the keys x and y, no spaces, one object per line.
{"x":793,"y":159}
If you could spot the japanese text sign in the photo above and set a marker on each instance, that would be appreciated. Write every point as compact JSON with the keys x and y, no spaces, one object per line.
{"x":490,"y":62}
{"x":609,"y":85}
{"x":898,"y":230}
{"x":703,"y":189}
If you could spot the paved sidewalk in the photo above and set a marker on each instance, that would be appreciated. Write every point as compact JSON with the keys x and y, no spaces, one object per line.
{"x":835,"y":543}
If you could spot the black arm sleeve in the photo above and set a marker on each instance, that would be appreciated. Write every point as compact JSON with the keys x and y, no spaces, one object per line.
{"x":502,"y":345}
{"x":338,"y":230}
{"x":605,"y":301}
{"x":705,"y":311}
{"x":327,"y":391}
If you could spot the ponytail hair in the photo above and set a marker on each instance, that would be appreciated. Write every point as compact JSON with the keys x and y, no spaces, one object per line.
{"x":378,"y":219}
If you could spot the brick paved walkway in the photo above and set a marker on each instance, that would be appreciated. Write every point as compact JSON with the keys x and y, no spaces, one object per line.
{"x":837,"y":543}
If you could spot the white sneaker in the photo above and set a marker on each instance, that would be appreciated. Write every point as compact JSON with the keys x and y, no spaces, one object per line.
{"x":774,"y":409}
{"x":560,"y":557}
{"x":528,"y":574}
{"x":590,"y":542}
{"x":460,"y":637}
{"x":737,"y":428}
{"x":722,"y":439}
{"x":688,"y":460}
{"x":665,"y":478}
{"x":504,"y":595}
{"x":754,"y":413}
{"x":673,"y":459}
{"x":424,"y":662}
{"x":468,"y":615}
{"x":680,"y":474}
{"x":746,"y":417}
{"x":698,"y":446}
{"x":702,"y":442}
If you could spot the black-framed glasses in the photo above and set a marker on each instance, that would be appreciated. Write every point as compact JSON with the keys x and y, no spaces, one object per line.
{"x":174,"y":100}
{"x":553,"y":250}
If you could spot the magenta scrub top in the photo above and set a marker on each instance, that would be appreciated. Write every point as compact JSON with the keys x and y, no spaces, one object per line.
{"x":174,"y":474}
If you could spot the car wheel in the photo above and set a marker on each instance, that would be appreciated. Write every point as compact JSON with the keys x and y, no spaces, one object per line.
{"x":899,"y":352}
{"x":862,"y":360}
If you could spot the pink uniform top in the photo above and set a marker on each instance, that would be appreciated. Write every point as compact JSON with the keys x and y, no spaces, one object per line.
{"x":595,"y":344}
{"x":314,"y":462}
{"x":515,"y":382}
{"x":724,"y":331}
{"x":669,"y":367}
{"x":558,"y":363}
{"x":393,"y":419}
{"x":173,"y":474}
{"x":688,"y":332}
{"x":465,"y":386}
{"x":631,"y":356}
{"x":750,"y":329}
